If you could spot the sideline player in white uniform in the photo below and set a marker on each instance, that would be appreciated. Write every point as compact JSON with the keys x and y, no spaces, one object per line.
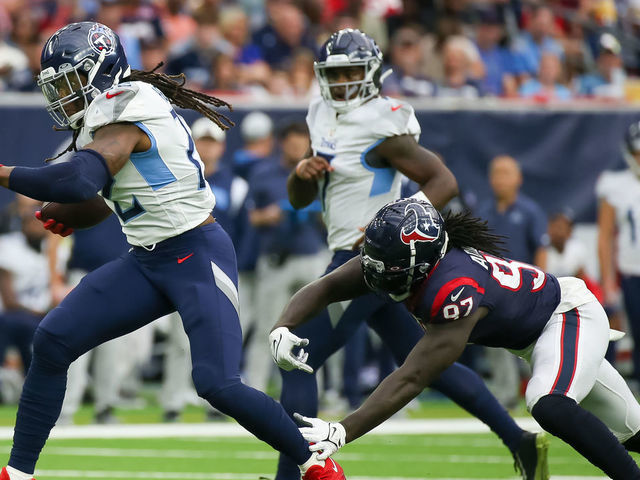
{"x":138,"y":154}
{"x":619,"y":237}
{"x":461,"y":290}
{"x":362,"y":144}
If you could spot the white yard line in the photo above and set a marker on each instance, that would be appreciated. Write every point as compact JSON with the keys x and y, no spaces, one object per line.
{"x":230,"y":429}
{"x":228,"y":476}
{"x":270,"y":455}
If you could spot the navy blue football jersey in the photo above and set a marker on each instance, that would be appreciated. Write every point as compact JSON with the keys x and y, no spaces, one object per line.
{"x":520,"y":297}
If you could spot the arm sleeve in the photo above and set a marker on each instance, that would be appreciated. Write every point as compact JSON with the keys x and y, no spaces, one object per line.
{"x":77,"y":180}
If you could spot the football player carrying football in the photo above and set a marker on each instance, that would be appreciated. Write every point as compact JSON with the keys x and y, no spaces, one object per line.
{"x":461,"y":290}
{"x":137,"y":153}
{"x":361,"y":143}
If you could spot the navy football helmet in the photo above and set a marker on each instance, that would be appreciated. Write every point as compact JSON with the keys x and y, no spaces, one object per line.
{"x":79,"y":62}
{"x":350,"y":48}
{"x":402,"y":244}
{"x":631,"y":147}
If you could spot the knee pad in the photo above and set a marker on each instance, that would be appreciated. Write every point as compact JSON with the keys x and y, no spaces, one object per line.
{"x":49,"y":352}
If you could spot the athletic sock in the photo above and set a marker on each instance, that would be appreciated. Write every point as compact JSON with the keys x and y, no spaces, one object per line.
{"x":18,"y":475}
{"x":563,"y":417}
{"x":313,"y":460}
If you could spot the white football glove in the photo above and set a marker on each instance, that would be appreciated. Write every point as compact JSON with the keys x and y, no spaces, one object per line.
{"x":327,"y":437}
{"x":282,"y":341}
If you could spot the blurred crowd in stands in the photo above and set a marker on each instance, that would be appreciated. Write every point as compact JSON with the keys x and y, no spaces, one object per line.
{"x":264,"y":49}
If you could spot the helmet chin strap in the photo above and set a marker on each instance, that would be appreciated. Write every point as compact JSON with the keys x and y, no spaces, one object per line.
{"x":94,"y":71}
{"x":385,"y":74}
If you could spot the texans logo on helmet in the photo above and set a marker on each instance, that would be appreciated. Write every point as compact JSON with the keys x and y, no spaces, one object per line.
{"x":419,"y":230}
{"x":101,"y":38}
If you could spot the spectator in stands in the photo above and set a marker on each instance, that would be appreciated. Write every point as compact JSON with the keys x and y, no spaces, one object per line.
{"x":153,"y":51}
{"x":547,"y":85}
{"x":458,"y":80}
{"x":196,"y":56}
{"x":524,"y":225}
{"x":14,"y":64}
{"x":225,"y":77}
{"x":177,"y":24}
{"x":256,"y":130}
{"x":284,"y":34}
{"x":113,"y":14}
{"x":609,"y":78}
{"x":536,"y":40}
{"x":234,"y":27}
{"x":500,"y":64}
{"x":24,"y":281}
{"x":301,"y":76}
{"x":291,"y":244}
{"x":406,"y":56}
{"x":578,"y":59}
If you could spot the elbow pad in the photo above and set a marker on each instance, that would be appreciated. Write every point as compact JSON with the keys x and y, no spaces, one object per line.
{"x":77,"y":180}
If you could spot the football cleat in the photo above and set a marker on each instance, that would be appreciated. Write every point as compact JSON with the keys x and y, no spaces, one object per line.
{"x":330,"y":471}
{"x":531,"y":457}
{"x":4,"y":475}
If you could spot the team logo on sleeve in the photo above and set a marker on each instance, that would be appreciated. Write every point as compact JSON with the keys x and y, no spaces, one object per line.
{"x":421,"y":227}
{"x":101,"y":39}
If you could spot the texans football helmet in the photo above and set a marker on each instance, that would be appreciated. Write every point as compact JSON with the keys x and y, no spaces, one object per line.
{"x":79,"y":62}
{"x":402,"y":244}
{"x":349,"y":48}
{"x":631,"y":147}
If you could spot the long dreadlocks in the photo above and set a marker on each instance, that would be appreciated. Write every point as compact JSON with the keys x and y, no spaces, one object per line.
{"x":465,"y":230}
{"x":172,"y":86}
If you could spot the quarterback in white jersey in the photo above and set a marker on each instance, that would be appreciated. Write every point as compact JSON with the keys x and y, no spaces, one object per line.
{"x":138,"y":154}
{"x":361,"y":145}
{"x":360,"y":180}
{"x":619,"y":236}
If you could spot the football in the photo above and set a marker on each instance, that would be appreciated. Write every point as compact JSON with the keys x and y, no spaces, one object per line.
{"x":77,"y":215}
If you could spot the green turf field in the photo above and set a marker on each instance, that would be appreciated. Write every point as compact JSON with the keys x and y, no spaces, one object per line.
{"x":399,"y":457}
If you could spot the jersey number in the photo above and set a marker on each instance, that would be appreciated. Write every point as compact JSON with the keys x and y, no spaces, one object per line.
{"x":452,"y":311}
{"x":508,"y":273}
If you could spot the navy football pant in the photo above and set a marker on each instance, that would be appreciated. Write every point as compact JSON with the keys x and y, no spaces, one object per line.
{"x":631,"y":294}
{"x":130,"y":292}
{"x":330,"y":331}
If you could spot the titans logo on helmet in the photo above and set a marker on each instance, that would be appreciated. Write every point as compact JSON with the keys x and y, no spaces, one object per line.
{"x":420,"y":225}
{"x":101,"y":38}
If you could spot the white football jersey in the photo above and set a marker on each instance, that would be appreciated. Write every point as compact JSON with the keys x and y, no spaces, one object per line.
{"x":159,"y":193}
{"x":621,"y":190}
{"x":356,"y":188}
{"x":29,"y":270}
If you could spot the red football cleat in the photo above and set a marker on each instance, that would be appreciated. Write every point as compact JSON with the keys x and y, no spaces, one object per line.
{"x":330,"y":471}
{"x":4,"y":475}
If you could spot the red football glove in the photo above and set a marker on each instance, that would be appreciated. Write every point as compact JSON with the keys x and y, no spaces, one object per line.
{"x":53,"y":226}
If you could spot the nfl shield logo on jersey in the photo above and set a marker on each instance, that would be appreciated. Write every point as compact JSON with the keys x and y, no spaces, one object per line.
{"x":101,"y":39}
{"x":421,"y":227}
